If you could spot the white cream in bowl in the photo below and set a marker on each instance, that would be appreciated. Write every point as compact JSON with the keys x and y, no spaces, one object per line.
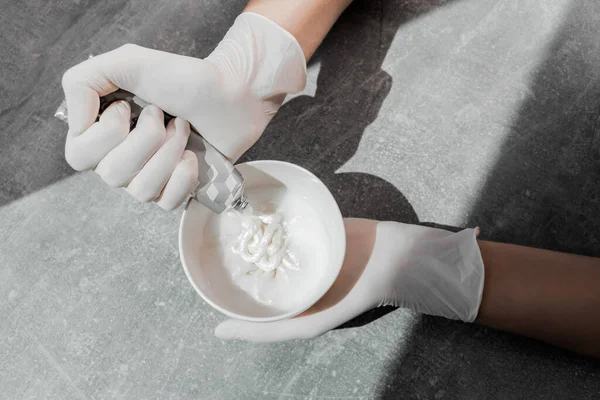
{"x":274,"y":263}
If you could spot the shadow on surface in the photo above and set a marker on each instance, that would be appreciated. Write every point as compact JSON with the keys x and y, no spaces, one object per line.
{"x":544,"y":191}
{"x":445,"y":359}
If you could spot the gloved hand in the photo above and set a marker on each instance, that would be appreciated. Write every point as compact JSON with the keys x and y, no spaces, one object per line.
{"x":229,"y":97}
{"x":428,"y":270}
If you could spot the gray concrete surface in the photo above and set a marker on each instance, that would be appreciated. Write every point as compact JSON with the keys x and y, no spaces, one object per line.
{"x":458,"y":113}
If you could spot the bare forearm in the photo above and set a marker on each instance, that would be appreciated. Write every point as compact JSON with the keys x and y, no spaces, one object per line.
{"x":551,"y":296}
{"x":308,"y":20}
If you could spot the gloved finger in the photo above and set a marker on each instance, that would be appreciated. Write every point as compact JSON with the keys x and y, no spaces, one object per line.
{"x":302,"y":327}
{"x":150,"y":181}
{"x":146,"y":72}
{"x":98,"y":76}
{"x":124,"y":161}
{"x":84,"y":151}
{"x":181,"y":183}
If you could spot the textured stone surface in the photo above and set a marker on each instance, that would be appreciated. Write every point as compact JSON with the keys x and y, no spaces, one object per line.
{"x":456,"y":113}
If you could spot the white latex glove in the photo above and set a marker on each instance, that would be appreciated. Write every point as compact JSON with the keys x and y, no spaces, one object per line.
{"x":229,"y":97}
{"x":428,"y":270}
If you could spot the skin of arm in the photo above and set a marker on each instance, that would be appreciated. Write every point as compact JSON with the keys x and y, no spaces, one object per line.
{"x":307,"y":20}
{"x":546,"y":295}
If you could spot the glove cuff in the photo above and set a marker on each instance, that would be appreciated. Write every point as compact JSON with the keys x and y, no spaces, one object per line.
{"x":264,"y":55}
{"x":436,"y":272}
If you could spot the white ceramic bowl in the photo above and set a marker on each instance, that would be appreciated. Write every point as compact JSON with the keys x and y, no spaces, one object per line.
{"x":222,"y":294}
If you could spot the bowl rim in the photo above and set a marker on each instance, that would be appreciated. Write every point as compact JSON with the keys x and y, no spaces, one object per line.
{"x":339,"y":220}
